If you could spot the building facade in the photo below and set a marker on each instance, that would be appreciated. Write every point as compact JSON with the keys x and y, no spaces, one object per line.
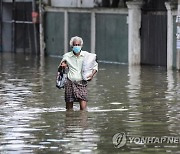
{"x":137,"y":32}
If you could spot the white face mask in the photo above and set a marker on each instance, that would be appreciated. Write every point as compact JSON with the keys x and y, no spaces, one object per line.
{"x":76,"y":49}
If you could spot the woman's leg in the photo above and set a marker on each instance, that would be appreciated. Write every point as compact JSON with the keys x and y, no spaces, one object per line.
{"x":83,"y":105}
{"x":69,"y":105}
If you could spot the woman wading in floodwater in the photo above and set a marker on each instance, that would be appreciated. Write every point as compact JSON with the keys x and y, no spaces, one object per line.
{"x":79,"y":63}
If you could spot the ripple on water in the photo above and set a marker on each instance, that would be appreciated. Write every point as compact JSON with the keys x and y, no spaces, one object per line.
{"x":115,"y":103}
{"x":34,"y":119}
{"x":107,"y":110}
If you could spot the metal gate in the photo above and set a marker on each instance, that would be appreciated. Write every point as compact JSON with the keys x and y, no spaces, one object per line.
{"x":154,"y":38}
{"x":17,"y":31}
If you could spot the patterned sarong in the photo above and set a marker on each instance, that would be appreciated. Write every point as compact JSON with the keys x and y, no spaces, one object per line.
{"x":75,"y":91}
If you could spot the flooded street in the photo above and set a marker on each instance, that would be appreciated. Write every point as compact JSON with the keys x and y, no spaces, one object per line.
{"x":138,"y":101}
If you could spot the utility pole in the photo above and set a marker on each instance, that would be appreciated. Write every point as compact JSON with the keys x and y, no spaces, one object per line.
{"x":41,"y":30}
{"x":178,"y":37}
{"x":34,"y":27}
{"x":13,"y":39}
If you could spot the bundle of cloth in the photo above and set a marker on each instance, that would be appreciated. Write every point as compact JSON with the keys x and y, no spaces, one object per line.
{"x":89,"y":63}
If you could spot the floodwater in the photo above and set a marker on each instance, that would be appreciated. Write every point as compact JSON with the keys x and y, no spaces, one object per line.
{"x":126,"y":106}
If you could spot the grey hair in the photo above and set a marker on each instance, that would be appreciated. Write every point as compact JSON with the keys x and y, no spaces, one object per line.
{"x":75,"y":38}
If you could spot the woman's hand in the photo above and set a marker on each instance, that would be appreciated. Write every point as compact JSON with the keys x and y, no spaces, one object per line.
{"x":63,"y":64}
{"x":90,"y":77}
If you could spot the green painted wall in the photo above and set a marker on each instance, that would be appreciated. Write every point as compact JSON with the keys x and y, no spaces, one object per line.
{"x":111,"y":34}
{"x":112,"y":37}
{"x":54,"y":33}
{"x":79,"y":24}
{"x":174,"y":41}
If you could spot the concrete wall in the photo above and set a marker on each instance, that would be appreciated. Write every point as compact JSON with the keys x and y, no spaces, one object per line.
{"x":171,"y":34}
{"x":17,"y":1}
{"x":174,"y":41}
{"x":79,"y":24}
{"x":65,"y":3}
{"x":112,"y":37}
{"x":104,"y":32}
{"x":72,"y":3}
{"x":7,"y":27}
{"x":54,"y":33}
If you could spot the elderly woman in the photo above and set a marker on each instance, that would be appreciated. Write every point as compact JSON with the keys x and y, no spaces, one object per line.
{"x":76,"y":86}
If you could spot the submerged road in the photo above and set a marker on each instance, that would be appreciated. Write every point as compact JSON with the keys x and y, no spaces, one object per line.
{"x":130,"y":102}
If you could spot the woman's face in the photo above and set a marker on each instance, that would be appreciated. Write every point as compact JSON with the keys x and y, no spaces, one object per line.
{"x":76,"y":43}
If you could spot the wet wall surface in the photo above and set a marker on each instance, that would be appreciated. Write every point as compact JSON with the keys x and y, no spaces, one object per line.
{"x":130,"y":109}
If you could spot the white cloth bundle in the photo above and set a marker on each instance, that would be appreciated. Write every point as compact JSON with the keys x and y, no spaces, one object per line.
{"x":88,"y":65}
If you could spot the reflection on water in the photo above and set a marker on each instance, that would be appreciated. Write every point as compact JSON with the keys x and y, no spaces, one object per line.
{"x":139,"y":101}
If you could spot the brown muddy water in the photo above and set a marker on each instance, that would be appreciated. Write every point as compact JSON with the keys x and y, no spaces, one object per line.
{"x":130,"y":110}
